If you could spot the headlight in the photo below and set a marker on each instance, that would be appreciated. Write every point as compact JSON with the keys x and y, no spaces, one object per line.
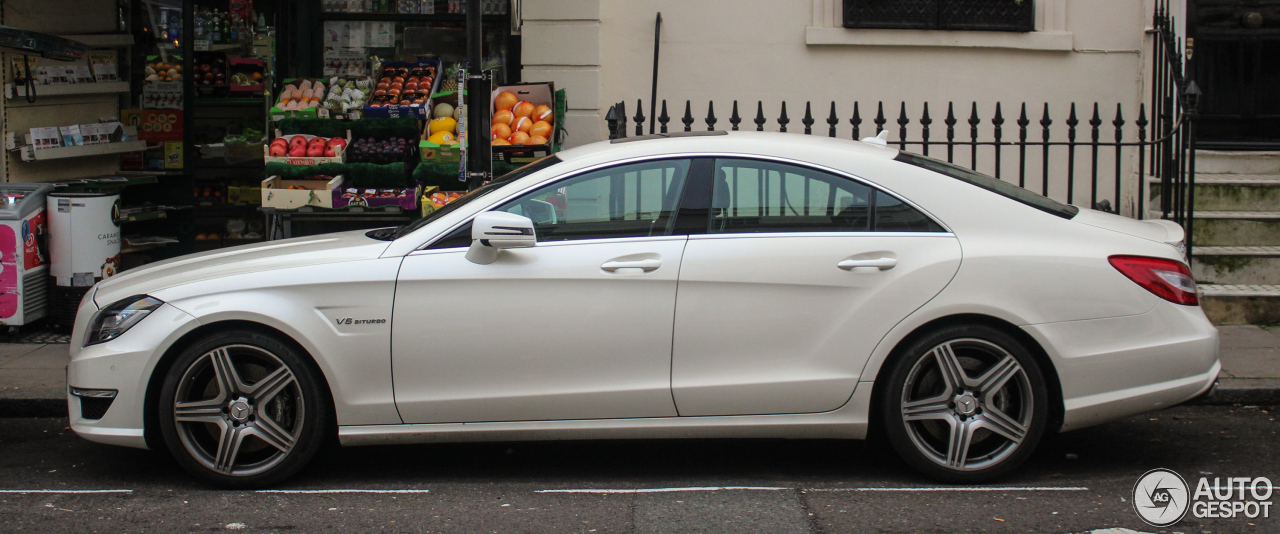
{"x":114,"y":320}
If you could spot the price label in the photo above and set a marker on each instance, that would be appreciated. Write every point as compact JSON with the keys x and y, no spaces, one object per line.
{"x":202,"y":45}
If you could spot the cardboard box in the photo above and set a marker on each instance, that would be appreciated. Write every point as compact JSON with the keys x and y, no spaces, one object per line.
{"x":537,"y":94}
{"x":276,"y":193}
{"x":420,"y":112}
{"x":343,"y":198}
{"x":247,"y":67}
{"x":340,"y":154}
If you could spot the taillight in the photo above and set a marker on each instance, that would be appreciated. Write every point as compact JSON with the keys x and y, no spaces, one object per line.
{"x":1168,"y":279}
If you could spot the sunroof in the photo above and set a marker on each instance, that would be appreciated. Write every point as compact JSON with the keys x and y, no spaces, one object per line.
{"x":668,"y":135}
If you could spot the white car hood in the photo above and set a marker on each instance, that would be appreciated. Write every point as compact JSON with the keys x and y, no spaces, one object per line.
{"x":283,"y":254}
{"x":1153,"y":229}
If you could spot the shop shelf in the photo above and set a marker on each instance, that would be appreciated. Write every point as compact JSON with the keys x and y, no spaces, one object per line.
{"x":12,"y":91}
{"x":228,"y":102}
{"x":410,"y":17}
{"x":103,"y":40}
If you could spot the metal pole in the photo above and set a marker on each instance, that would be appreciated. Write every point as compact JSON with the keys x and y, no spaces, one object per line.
{"x":653,"y":93}
{"x":480,"y":163}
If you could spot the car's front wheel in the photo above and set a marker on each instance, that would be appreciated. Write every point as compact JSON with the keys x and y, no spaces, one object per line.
{"x":965,"y":404}
{"x":242,"y":409}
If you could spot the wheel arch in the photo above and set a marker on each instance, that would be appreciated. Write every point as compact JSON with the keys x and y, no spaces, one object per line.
{"x":151,"y":400}
{"x":1056,"y":408}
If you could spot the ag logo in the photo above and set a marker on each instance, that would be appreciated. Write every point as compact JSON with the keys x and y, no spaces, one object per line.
{"x":1161,"y":497}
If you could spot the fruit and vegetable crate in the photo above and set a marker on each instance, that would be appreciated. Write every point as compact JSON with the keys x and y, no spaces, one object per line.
{"x":404,"y":89}
{"x":406,"y":198}
{"x":281,"y":193}
{"x":525,"y":123}
{"x":305,"y":149}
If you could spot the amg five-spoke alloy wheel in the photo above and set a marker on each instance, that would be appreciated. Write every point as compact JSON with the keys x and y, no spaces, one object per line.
{"x":965,"y":404}
{"x":241,"y":409}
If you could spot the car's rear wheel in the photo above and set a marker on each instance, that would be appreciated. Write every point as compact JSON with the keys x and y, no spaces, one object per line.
{"x":965,"y":404}
{"x":242,"y":409}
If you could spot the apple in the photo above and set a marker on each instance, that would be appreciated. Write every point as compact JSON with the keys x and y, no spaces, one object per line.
{"x":278,"y":150}
{"x":328,"y":152}
{"x":298,"y":151}
{"x":315,"y":151}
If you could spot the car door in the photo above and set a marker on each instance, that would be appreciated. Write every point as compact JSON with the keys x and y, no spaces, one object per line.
{"x":796,"y":277}
{"x":577,"y":327}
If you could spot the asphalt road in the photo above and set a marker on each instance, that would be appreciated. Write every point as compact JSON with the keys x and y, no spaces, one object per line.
{"x":1076,"y":482}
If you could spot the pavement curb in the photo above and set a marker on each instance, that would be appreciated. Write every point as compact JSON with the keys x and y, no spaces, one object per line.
{"x":33,"y":407}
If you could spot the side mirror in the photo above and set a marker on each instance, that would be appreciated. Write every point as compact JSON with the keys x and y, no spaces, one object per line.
{"x":495,"y":230}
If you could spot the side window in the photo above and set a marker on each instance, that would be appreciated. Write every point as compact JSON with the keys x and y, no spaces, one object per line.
{"x":751,"y":196}
{"x":893,"y":215}
{"x":633,"y":200}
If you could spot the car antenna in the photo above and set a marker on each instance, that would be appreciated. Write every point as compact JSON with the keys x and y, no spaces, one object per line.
{"x":881,"y":139}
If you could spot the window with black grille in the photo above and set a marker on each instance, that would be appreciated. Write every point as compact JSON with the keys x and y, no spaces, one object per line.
{"x":989,"y":15}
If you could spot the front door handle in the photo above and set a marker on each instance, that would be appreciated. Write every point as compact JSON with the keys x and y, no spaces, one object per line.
{"x":645,"y":265}
{"x":883,"y":264}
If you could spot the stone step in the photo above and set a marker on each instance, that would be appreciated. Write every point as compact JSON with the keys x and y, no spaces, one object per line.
{"x":1236,"y":265}
{"x":1234,"y":228}
{"x":1222,"y":162}
{"x":1241,"y":304}
{"x":1229,"y":192}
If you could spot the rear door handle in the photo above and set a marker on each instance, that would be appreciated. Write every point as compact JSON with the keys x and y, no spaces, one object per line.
{"x":883,"y":264}
{"x":645,"y":265}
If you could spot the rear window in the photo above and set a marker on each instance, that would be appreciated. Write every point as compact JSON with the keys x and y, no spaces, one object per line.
{"x":998,"y":187}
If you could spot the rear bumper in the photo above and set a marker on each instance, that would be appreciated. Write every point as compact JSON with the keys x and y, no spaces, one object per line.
{"x":1123,"y":366}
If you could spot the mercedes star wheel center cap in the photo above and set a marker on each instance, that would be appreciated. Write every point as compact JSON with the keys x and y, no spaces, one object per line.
{"x":239,"y":410}
{"x":966,"y":405}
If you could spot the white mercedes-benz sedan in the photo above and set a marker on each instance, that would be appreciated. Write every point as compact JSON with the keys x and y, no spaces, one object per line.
{"x":708,"y":285}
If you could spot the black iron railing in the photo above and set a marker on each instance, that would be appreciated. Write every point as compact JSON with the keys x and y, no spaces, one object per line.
{"x":1159,"y":140}
{"x":989,"y":15}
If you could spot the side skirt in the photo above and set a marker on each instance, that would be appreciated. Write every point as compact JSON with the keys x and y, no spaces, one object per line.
{"x":847,"y":422}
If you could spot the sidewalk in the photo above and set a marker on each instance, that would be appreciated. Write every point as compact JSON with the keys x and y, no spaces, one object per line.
{"x":33,"y":375}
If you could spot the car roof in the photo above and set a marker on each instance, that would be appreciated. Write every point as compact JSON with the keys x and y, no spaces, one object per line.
{"x":765,"y":143}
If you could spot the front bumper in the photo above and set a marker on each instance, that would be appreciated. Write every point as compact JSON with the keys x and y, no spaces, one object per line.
{"x":1122,"y":366}
{"x":124,"y":364}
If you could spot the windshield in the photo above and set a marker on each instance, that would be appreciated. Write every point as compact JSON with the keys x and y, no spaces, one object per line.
{"x":477,"y":193}
{"x":998,"y":187}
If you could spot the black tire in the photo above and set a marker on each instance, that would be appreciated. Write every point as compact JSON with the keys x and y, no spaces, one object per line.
{"x":275,"y":414}
{"x":996,"y":423}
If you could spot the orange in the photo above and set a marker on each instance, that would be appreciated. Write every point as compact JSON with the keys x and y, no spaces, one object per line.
{"x":500,"y":142}
{"x":519,"y":138}
{"x":543,"y":113}
{"x":505,"y":100}
{"x":541,"y":128}
{"x":523,"y":109}
{"x":537,"y":140}
{"x":522,"y":125}
{"x":503,"y":116}
{"x":501,"y":131}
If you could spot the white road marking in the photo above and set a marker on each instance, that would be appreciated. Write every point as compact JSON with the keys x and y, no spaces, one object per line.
{"x":7,"y":491}
{"x":665,"y":490}
{"x":773,"y":488}
{"x":347,"y":491}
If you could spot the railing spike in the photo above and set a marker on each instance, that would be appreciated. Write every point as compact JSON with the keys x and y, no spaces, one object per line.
{"x":611,"y":118}
{"x":832,"y":120}
{"x":856,"y":121}
{"x":974,"y":121}
{"x":997,"y":120}
{"x":1096,"y":121}
{"x":880,"y":120}
{"x":663,"y":119}
{"x":1072,"y":122}
{"x":925,"y":121}
{"x":903,"y":121}
{"x":622,"y":119}
{"x":760,"y":120}
{"x":782,"y":118}
{"x":711,"y":116}
{"x":734,"y":119}
{"x":1046,"y":121}
{"x":639,"y":118}
{"x":807,"y":121}
{"x":1118,"y":122}
{"x":687,"y":119}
